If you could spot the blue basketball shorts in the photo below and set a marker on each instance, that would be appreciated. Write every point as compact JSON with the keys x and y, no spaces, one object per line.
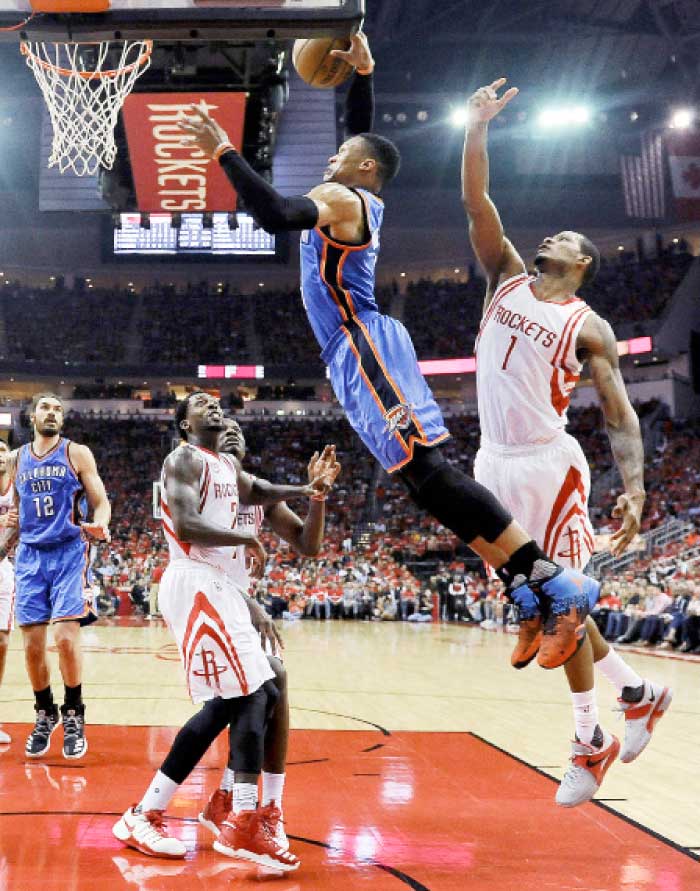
{"x":53,"y":583}
{"x":375,"y":376}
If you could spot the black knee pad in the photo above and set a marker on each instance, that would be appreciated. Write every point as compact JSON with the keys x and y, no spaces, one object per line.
{"x":457,"y":501}
{"x":247,"y":730}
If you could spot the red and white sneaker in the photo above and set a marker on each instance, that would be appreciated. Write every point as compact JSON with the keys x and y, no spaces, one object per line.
{"x":146,"y":833}
{"x":250,"y":836}
{"x":641,"y":718}
{"x":589,"y":764}
{"x":217,"y":809}
{"x":276,"y":821}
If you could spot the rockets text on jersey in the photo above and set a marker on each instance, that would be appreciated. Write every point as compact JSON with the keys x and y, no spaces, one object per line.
{"x":249,"y":522}
{"x":218,"y":504}
{"x":526,"y":364}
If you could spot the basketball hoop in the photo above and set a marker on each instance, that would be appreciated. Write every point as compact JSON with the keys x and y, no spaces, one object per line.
{"x":84,"y":91}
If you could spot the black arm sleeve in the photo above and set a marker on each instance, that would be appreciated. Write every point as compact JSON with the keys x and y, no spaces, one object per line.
{"x":359,"y":105}
{"x":271,"y":210}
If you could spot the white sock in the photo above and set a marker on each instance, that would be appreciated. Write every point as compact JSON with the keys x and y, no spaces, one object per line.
{"x":158,"y":794}
{"x":227,"y":780}
{"x":618,"y":672}
{"x":272,"y":788}
{"x":245,"y":797}
{"x":585,"y":715}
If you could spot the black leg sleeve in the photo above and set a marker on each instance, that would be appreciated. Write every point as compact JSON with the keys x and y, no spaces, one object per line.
{"x":455,"y":499}
{"x":194,"y":739}
{"x":247,"y":730}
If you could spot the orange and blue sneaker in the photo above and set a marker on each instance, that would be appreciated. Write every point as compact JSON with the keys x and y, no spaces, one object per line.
{"x":565,"y":599}
{"x":531,"y":624}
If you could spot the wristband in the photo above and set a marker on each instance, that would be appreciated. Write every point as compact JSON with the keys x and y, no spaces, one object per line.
{"x":319,"y":497}
{"x":222,"y":149}
{"x":365,"y":71}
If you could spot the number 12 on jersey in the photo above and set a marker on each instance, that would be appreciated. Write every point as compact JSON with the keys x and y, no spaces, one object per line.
{"x":44,"y":506}
{"x":513,"y":341}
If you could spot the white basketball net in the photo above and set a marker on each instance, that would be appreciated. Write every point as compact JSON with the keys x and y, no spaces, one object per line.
{"x":84,"y":96}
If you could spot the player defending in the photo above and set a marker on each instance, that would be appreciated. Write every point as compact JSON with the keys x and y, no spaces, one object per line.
{"x":53,"y":477}
{"x":7,"y":575}
{"x":306,"y":537}
{"x":224,"y":663}
{"x":372,"y":362}
{"x":535,"y":336}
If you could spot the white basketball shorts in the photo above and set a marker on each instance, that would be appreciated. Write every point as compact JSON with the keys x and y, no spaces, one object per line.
{"x":546,"y":489}
{"x":7,"y":595}
{"x":220,"y":650}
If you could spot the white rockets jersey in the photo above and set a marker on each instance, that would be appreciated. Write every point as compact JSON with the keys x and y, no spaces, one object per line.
{"x":526,"y":366}
{"x":218,"y":504}
{"x":249,"y":522}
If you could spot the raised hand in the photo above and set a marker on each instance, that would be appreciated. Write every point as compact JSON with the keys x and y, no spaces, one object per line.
{"x":485,"y":104}
{"x":359,"y":55}
{"x":323,"y":470}
{"x":202,"y":131}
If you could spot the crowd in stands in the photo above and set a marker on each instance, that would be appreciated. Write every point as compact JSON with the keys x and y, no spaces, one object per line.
{"x":214,"y":323}
{"x":382,"y":559}
{"x":652,"y":611}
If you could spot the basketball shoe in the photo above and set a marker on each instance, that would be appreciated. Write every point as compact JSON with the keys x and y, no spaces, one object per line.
{"x":75,"y":744}
{"x":217,"y":809}
{"x":277,"y":826}
{"x":566,"y":600}
{"x":39,"y":740}
{"x":641,"y":714}
{"x":530,"y":627}
{"x":5,"y":738}
{"x":250,"y":836}
{"x":589,"y":764}
{"x":146,"y":833}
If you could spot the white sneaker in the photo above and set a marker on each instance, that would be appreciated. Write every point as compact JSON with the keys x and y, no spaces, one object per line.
{"x":589,"y":764}
{"x":489,"y":625}
{"x":5,"y":738}
{"x":641,"y":717}
{"x":146,"y":833}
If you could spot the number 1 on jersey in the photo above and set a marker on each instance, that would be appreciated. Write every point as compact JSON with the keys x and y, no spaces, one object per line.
{"x":513,"y":341}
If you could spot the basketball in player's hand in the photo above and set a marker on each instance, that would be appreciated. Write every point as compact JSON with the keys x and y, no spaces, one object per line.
{"x":314,"y":63}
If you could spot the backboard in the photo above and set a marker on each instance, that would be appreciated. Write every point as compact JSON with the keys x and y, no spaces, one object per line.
{"x":186,"y":20}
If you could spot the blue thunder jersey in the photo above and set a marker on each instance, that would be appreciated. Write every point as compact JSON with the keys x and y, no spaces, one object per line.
{"x":52,"y":500}
{"x":371,"y":361}
{"x":337,"y":280}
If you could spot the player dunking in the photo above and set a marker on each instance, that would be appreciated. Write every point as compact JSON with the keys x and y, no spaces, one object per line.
{"x":535,"y":335}
{"x":306,"y":537}
{"x":7,"y":575}
{"x":372,"y":362}
{"x":224,"y":663}
{"x":53,"y":479}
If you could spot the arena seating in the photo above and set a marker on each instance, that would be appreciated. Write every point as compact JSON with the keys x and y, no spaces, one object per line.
{"x":217,"y":324}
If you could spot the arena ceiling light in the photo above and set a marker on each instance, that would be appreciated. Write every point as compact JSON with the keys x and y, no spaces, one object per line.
{"x":682,"y":119}
{"x":558,"y":117}
{"x":459,"y":116}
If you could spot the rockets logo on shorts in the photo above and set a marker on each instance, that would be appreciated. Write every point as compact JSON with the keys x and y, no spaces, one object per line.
{"x":398,"y":418}
{"x":211,"y":670}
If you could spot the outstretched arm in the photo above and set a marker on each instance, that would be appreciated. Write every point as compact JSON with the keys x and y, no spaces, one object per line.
{"x":322,"y":474}
{"x":597,"y":342}
{"x":306,"y":536}
{"x":493,"y":250}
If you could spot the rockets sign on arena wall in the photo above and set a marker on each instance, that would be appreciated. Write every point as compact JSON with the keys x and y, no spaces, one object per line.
{"x":168,"y":176}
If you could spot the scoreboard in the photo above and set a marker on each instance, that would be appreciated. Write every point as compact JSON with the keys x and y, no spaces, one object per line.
{"x":191,"y":237}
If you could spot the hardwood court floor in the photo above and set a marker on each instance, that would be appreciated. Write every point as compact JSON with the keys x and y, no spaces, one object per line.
{"x":397,"y":776}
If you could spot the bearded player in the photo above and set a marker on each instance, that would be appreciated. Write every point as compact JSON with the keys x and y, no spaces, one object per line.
{"x":534,"y":337}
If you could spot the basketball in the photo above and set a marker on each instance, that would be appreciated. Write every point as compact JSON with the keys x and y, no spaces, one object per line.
{"x":314,"y":63}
